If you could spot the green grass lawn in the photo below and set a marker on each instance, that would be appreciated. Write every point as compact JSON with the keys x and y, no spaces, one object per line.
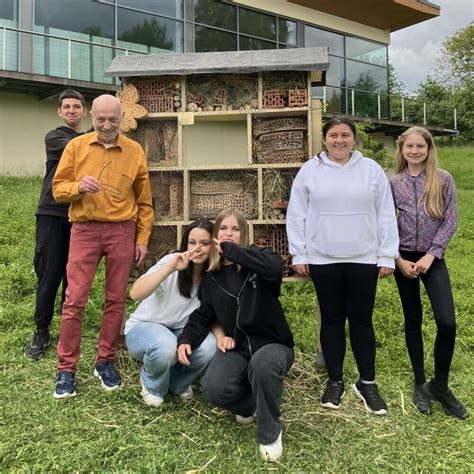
{"x":98,"y":431}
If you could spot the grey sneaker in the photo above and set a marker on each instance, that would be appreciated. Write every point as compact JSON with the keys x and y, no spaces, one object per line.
{"x":38,"y":345}
{"x":451,"y":405}
{"x":421,"y":400}
{"x":320,"y":360}
{"x":187,"y":394}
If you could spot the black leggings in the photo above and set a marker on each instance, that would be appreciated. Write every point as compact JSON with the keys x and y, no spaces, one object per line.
{"x":346,"y":290}
{"x":438,"y":288}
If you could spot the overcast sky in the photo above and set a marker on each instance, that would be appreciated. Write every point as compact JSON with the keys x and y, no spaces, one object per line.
{"x":413,"y":51}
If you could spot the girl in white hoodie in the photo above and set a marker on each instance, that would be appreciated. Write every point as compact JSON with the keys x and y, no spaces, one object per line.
{"x":342,"y":231}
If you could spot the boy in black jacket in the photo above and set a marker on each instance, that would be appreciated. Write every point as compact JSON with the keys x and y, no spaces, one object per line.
{"x":52,"y":224}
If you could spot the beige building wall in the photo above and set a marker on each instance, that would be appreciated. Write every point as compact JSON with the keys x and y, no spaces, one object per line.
{"x":308,"y":15}
{"x":24,"y":121}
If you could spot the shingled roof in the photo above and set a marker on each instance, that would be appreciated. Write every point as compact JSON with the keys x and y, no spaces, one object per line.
{"x":297,"y":59}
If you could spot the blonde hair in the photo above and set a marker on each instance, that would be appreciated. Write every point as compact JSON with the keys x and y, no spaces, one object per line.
{"x":432,"y":198}
{"x":214,"y":256}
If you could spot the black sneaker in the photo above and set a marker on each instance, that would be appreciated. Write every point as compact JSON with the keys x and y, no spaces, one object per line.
{"x":369,"y":394}
{"x":451,"y":405}
{"x":38,"y":345}
{"x":65,"y":385}
{"x":333,"y":394}
{"x":109,"y":376}
{"x":421,"y":400}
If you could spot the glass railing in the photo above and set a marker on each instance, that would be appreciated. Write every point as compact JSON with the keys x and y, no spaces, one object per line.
{"x":382,"y":106}
{"x":59,"y":56}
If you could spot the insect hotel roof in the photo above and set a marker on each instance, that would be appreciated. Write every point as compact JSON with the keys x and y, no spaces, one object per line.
{"x":244,"y":62}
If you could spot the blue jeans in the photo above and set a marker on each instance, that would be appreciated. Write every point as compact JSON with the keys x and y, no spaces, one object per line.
{"x":154,"y":345}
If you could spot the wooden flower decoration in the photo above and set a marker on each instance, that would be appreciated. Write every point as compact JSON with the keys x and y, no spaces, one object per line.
{"x":131,"y":109}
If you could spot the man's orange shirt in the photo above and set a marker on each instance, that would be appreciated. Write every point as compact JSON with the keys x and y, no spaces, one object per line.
{"x":123,"y":173}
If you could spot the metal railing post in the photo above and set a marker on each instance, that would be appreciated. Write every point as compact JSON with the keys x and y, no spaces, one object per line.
{"x":403,"y":109}
{"x":455,"y":119}
{"x":379,"y":107}
{"x":324,"y":99}
{"x":424,"y":113}
{"x":353,"y":101}
{"x":126,"y":52}
{"x":4,"y":54}
{"x":69,"y":49}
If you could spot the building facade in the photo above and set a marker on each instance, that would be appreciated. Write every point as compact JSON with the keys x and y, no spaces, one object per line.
{"x":49,"y":45}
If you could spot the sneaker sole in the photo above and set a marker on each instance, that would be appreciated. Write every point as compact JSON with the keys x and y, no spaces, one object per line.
{"x":59,"y":396}
{"x":359,"y":395}
{"x":106,"y":387}
{"x":331,"y":405}
{"x":245,"y":420}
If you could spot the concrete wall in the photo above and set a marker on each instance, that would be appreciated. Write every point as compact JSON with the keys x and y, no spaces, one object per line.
{"x":308,"y":15}
{"x":24,"y":121}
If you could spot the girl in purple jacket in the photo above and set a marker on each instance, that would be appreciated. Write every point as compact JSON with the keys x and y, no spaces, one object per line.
{"x":425,"y":198}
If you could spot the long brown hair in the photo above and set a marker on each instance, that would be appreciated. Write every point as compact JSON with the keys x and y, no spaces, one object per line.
{"x":432,"y":198}
{"x":185,"y":277}
{"x":214,"y":257}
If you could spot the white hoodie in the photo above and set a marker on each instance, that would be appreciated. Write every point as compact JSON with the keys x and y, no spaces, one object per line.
{"x":342,"y":213}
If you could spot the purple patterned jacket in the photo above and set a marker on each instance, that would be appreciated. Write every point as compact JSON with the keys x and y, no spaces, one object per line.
{"x":419,"y":232}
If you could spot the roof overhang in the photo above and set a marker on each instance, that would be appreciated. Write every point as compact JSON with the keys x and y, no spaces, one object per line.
{"x":232,"y":62}
{"x":391,"y":15}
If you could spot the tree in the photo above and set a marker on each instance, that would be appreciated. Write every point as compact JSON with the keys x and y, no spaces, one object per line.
{"x":457,"y":60}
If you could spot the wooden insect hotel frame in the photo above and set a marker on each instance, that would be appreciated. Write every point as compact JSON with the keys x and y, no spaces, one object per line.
{"x":223,"y":130}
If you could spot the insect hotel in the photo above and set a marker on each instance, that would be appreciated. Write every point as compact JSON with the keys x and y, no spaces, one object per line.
{"x":220,"y":130}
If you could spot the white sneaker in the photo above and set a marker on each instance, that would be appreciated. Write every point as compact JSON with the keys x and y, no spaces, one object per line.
{"x":245,"y":420}
{"x":272,"y":452}
{"x":150,"y":398}
{"x":187,"y":394}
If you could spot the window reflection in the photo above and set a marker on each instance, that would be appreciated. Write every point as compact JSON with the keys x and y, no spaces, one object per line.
{"x":209,"y":39}
{"x":367,"y":51}
{"x":247,"y":43}
{"x":8,"y":9}
{"x":215,"y":13}
{"x":368,"y":78}
{"x":287,"y":31}
{"x":149,"y":30}
{"x":257,"y":24}
{"x":86,"y":16}
{"x":172,"y":8}
{"x":318,"y":37}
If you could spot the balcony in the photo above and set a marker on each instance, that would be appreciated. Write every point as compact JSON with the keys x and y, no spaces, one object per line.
{"x":389,"y":113}
{"x":40,"y":64}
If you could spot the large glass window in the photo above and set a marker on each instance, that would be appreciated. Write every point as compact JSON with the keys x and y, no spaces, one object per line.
{"x":246,"y":43}
{"x":172,"y":8}
{"x":209,"y":39}
{"x":367,"y":51}
{"x":364,"y":77}
{"x":335,"y":73}
{"x":257,"y":24}
{"x":86,"y":16}
{"x":287,"y":31}
{"x":317,"y":37}
{"x":215,"y":13}
{"x":8,"y":10}
{"x":149,"y":30}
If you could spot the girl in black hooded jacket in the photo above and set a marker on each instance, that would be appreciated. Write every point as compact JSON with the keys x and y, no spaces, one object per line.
{"x":241,"y":293}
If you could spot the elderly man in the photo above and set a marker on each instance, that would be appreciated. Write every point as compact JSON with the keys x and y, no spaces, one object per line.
{"x":105,"y":178}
